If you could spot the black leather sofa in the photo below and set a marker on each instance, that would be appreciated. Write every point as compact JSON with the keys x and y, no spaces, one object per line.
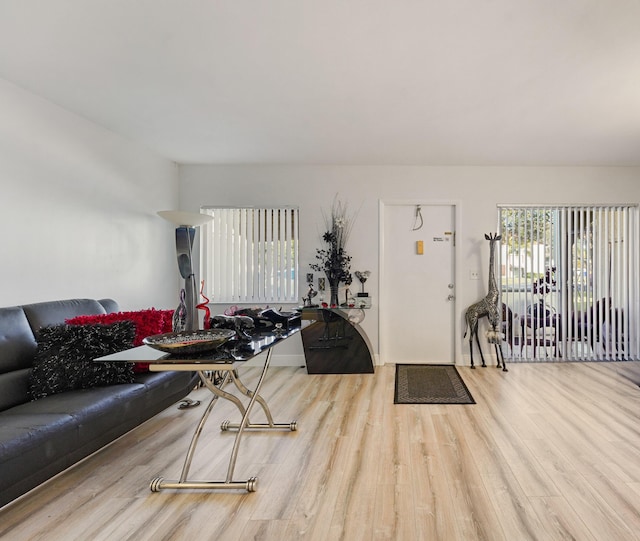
{"x":40,"y":438}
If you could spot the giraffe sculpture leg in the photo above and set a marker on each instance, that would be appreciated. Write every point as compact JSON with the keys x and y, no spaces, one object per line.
{"x":500,"y":356}
{"x":472,"y":326}
{"x":471,"y":350}
{"x":504,"y":363}
{"x":495,"y":338}
{"x":479,"y":348}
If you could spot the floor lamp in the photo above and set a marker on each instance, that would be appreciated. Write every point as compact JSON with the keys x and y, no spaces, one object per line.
{"x":186,"y":223}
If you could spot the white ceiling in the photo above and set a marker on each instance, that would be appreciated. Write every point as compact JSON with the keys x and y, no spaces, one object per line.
{"x":507,"y":82}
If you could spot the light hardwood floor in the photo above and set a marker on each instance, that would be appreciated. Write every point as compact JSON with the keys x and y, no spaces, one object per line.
{"x":549,"y":452}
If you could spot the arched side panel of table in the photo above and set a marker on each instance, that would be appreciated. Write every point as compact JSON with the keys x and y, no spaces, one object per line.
{"x":334,"y":345}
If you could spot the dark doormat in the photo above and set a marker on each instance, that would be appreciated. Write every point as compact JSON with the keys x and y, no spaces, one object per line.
{"x":430,"y":384}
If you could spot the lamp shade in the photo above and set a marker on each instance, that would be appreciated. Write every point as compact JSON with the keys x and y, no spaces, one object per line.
{"x":184,"y":218}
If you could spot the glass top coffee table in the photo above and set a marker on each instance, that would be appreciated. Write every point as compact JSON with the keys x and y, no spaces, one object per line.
{"x":224,"y":359}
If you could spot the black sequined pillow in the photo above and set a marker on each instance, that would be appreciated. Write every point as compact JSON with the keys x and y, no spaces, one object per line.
{"x":65,"y":356}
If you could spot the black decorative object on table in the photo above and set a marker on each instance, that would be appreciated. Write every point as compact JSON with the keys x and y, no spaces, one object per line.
{"x":334,"y":260}
{"x":286,"y":320}
{"x":248,"y":321}
{"x":362,"y":276}
{"x":180,"y":314}
{"x":242,"y":325}
{"x":308,"y":300}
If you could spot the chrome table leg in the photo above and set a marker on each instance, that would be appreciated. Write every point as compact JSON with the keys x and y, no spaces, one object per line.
{"x":269,"y":425}
{"x":250,"y":484}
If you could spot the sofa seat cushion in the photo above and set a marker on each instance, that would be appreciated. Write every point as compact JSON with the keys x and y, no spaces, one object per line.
{"x":30,"y":443}
{"x":65,"y":356}
{"x":45,"y":433}
{"x":166,"y":388}
{"x":94,"y":411}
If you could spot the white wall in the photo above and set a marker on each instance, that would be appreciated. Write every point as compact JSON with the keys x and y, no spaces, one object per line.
{"x":77,"y":210}
{"x":476,"y":191}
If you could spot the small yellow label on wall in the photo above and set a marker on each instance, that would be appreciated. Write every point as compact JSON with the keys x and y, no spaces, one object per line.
{"x":420,"y":247}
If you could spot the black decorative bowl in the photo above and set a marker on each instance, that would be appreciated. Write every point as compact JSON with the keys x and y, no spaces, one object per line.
{"x":188,"y":342}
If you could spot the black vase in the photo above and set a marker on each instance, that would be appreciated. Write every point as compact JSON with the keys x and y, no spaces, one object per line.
{"x":333,"y":289}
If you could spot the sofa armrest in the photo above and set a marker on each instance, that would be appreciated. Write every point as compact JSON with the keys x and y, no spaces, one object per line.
{"x":110,"y":306}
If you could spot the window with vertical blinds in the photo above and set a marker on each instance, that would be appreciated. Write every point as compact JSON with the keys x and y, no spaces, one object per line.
{"x":250,"y":255}
{"x":569,"y":282}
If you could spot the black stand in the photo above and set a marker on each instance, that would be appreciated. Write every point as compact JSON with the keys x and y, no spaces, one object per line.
{"x":335,"y":345}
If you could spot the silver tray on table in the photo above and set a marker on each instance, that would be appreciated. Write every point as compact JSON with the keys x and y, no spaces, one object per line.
{"x":188,"y":342}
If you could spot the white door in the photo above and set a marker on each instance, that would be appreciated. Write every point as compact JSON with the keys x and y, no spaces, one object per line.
{"x":417,"y":290}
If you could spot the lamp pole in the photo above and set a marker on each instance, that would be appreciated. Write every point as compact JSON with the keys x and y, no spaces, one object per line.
{"x":185,"y":235}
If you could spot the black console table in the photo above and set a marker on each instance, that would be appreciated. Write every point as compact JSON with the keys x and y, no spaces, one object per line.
{"x":335,"y":345}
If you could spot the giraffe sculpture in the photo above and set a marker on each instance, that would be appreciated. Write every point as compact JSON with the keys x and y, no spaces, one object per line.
{"x":487,"y":307}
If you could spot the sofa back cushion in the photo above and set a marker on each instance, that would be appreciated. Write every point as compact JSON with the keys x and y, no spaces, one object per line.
{"x":17,"y":342}
{"x":14,"y":388}
{"x":17,"y":348}
{"x":44,"y":314}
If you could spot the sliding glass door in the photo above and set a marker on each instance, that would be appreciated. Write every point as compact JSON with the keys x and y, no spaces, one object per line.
{"x":569,"y":282}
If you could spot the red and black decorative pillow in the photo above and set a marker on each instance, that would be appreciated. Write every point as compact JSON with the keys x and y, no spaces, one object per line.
{"x":65,"y":356}
{"x":147,"y":323}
